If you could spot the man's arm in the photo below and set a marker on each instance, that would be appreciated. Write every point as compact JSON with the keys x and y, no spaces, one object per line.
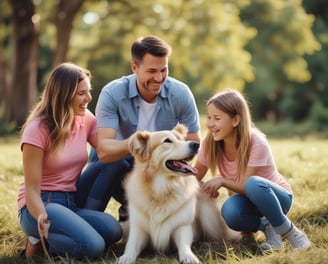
{"x":110,"y":149}
{"x":194,"y":137}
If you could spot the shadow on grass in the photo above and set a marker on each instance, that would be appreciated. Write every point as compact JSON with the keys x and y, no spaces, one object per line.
{"x":206,"y":251}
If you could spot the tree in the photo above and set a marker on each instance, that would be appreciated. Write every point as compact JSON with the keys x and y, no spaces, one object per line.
{"x":4,"y":39}
{"x":207,"y":41}
{"x":64,"y":17}
{"x":21,"y":92}
{"x":284,"y":38}
{"x":260,"y":45}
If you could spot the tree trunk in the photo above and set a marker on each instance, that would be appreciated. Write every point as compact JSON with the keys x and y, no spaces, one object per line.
{"x":25,"y":38}
{"x":3,"y":77}
{"x":66,"y":11}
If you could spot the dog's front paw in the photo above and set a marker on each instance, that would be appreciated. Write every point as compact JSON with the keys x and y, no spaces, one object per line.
{"x":189,"y":258}
{"x":125,"y":259}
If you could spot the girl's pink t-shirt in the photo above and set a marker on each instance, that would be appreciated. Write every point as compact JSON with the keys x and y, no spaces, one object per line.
{"x":260,"y":156}
{"x":60,"y":171}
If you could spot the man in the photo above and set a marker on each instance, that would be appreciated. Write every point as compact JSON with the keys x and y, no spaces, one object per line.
{"x":149,"y":100}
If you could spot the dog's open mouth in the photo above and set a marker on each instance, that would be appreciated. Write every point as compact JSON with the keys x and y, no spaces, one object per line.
{"x":181,"y":166}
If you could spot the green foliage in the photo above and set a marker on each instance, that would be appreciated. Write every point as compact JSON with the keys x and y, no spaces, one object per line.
{"x":319,"y":116}
{"x":278,"y":55}
{"x":274,"y":50}
{"x":205,"y":43}
{"x":5,"y":127}
{"x":306,"y":129}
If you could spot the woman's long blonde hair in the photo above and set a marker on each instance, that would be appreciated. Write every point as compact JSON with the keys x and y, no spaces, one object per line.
{"x":233,"y":103}
{"x":55,"y":105}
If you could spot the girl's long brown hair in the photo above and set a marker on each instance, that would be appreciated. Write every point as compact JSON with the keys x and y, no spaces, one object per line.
{"x":55,"y":104}
{"x":233,"y":103}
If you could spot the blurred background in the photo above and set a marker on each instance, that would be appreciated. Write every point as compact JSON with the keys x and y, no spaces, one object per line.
{"x":274,"y":51}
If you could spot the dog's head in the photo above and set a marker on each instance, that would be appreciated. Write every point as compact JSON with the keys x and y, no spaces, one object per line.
{"x":165,"y":150}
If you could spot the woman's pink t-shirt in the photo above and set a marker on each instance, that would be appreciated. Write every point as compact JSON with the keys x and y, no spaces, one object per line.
{"x":60,"y":171}
{"x":260,"y":156}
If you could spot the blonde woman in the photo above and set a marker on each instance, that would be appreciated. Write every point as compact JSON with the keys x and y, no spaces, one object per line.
{"x":54,"y":146}
{"x":240,"y":156}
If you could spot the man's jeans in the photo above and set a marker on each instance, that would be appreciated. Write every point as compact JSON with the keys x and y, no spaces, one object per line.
{"x":99,"y":182}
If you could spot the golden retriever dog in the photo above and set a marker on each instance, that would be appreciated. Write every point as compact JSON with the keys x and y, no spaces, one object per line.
{"x":164,"y":202}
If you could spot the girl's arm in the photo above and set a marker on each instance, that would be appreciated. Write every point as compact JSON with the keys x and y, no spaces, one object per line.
{"x":213,"y":185}
{"x":202,"y":170}
{"x":32,"y":164}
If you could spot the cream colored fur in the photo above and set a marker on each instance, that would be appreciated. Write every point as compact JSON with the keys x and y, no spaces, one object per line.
{"x":166,"y":206}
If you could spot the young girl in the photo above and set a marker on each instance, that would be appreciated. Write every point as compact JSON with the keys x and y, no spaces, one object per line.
{"x":54,"y":145}
{"x":259,"y":196}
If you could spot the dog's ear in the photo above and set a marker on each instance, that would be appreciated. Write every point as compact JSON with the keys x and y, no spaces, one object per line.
{"x":182,"y":130}
{"x":138,"y":145}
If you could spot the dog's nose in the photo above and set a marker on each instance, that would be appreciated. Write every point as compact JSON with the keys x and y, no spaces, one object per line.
{"x":194,"y":146}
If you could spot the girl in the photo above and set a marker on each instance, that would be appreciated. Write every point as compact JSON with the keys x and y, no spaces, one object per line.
{"x":259,"y":196}
{"x":54,"y":145}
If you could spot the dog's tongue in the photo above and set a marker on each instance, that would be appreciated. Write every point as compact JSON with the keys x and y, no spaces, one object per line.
{"x":186,"y":166}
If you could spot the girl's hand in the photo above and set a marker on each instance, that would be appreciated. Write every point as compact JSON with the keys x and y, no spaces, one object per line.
{"x":43,"y":225}
{"x":212,"y":186}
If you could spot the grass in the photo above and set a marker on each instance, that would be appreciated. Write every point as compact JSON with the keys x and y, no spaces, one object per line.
{"x":303,"y":162}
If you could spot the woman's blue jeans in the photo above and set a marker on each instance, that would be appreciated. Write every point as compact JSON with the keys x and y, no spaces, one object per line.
{"x":73,"y":231}
{"x":99,"y":182}
{"x":263,"y":198}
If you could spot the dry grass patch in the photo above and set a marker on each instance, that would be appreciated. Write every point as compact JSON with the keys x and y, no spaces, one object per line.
{"x":303,"y":162}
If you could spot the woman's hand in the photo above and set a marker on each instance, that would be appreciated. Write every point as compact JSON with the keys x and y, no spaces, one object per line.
{"x":212,"y":186}
{"x":43,"y":225}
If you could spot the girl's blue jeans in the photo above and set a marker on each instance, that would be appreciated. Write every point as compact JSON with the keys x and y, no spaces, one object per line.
{"x":263,"y":198}
{"x":75,"y":232}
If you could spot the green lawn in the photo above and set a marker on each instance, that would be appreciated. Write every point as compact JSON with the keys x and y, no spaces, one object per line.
{"x":303,"y":162}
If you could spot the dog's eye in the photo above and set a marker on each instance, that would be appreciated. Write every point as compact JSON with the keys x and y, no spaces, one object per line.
{"x":167,"y":140}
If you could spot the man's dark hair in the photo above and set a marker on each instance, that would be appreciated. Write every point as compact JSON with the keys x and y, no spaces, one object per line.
{"x":149,"y":44}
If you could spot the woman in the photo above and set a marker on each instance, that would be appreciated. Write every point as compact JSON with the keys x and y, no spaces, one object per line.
{"x":259,"y":196}
{"x":54,"y":146}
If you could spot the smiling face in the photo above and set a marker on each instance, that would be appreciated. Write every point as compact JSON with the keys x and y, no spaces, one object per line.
{"x":164,"y":151}
{"x":151,"y":73}
{"x":220,"y":124}
{"x":82,"y":97}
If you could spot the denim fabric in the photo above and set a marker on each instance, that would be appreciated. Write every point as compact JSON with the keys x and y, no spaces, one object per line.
{"x":73,"y":231}
{"x":99,"y":182}
{"x":263,"y":199}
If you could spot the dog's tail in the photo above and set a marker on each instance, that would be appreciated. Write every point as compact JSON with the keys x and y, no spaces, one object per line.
{"x":211,"y":226}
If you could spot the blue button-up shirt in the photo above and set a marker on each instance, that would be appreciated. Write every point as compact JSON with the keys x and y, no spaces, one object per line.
{"x":118,"y":106}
